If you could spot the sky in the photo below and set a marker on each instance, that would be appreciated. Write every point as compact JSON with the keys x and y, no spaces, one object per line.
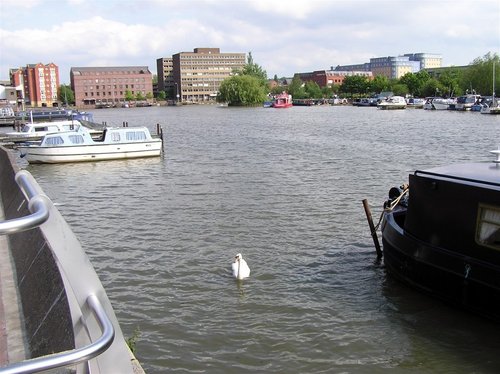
{"x":284,"y":37}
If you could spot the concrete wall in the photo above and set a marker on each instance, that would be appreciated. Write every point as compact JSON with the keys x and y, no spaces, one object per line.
{"x":46,"y":314}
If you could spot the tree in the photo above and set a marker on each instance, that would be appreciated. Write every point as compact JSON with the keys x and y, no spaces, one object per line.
{"x":400,"y":89}
{"x":139,"y":96}
{"x":254,"y":70}
{"x":129,"y":96}
{"x":478,"y":76}
{"x":66,"y":94}
{"x":242,"y":90}
{"x":313,"y":90}
{"x":162,"y":95}
{"x":379,"y":84}
{"x":296,"y":88}
{"x":355,"y":84}
{"x":450,"y":79}
{"x":433,"y":88}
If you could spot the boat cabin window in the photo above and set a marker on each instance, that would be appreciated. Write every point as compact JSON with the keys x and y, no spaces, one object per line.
{"x":115,"y":136}
{"x":54,"y":140}
{"x":488,"y":226}
{"x":41,"y":128}
{"x":76,"y":139}
{"x":136,"y":135}
{"x":69,"y":127}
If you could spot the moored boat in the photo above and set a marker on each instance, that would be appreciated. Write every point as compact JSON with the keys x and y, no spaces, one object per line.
{"x":79,"y":146}
{"x":37,"y":130}
{"x":393,"y":102}
{"x":415,"y":103}
{"x":283,"y":100}
{"x":465,"y":102}
{"x":441,"y":234}
{"x":492,"y":107}
{"x":438,"y":103}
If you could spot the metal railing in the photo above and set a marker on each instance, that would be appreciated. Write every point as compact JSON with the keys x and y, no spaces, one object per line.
{"x":70,"y":357}
{"x":38,"y":205}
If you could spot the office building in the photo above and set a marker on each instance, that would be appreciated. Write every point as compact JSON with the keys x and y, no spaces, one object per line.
{"x":394,"y":67}
{"x":196,"y":76}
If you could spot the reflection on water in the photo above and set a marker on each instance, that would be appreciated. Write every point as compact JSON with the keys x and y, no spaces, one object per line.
{"x":284,"y":188}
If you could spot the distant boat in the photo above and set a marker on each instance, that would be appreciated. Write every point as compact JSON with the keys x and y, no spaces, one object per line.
{"x":393,"y":102}
{"x":414,"y":102}
{"x":465,"y":102}
{"x":365,"y":102}
{"x":492,"y":107}
{"x":438,"y":103}
{"x":283,"y":100}
{"x":79,"y":146}
{"x":38,"y":115}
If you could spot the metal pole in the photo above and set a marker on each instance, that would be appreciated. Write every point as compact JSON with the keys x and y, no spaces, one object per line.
{"x":372,"y":228}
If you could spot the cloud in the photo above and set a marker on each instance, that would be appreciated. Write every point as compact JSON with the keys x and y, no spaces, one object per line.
{"x":288,"y":37}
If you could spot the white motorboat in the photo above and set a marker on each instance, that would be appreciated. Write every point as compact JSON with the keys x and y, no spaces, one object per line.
{"x":393,"y":102}
{"x":438,"y":103}
{"x":465,"y":102}
{"x":37,"y":130}
{"x":79,"y":146}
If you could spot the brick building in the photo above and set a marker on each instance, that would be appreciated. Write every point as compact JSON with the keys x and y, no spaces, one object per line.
{"x":196,"y":76}
{"x":109,"y":86}
{"x":331,"y":77}
{"x":38,"y":84}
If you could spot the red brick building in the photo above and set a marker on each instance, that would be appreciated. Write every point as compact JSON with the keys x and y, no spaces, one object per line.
{"x":38,"y":84}
{"x":108,"y":86}
{"x":330,"y":77}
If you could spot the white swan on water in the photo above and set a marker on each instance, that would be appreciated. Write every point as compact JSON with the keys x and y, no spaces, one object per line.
{"x":240,"y":267}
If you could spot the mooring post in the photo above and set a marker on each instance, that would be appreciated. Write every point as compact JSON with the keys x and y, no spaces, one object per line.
{"x":372,"y":228}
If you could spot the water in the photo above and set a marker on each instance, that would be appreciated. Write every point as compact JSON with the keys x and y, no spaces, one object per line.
{"x":284,"y":188}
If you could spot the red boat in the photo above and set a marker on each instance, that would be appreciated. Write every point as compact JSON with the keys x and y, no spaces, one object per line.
{"x":283,"y":100}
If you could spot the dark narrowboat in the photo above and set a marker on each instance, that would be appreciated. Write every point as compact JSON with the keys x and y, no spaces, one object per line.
{"x":441,"y":234}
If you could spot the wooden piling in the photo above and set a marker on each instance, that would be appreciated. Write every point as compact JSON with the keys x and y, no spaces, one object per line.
{"x":372,"y":228}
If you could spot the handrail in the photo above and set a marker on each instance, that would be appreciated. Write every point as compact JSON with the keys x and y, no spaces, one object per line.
{"x":36,"y":204}
{"x":70,"y":357}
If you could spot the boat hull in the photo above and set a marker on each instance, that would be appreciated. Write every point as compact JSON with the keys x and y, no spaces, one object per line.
{"x":451,"y":276}
{"x":86,"y":153}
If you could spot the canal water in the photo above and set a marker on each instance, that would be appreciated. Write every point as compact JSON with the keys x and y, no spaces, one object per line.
{"x":284,"y":188}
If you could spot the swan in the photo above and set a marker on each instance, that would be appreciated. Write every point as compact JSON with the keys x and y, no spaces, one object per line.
{"x":240,"y":267}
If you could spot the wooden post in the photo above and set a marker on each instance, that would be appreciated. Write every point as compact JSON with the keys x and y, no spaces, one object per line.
{"x":372,"y":228}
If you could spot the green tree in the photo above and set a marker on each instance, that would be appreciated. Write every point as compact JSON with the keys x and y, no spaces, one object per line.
{"x":411,"y":82}
{"x":355,"y":85}
{"x":129,"y":96}
{"x":162,"y":95}
{"x":450,"y":80}
{"x":479,"y":75}
{"x":400,"y":89}
{"x":254,"y":70}
{"x":432,"y":87}
{"x":296,"y":88}
{"x":313,"y":91}
{"x":379,"y":84}
{"x":139,"y":96}
{"x":242,"y":90}
{"x":66,"y":95}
